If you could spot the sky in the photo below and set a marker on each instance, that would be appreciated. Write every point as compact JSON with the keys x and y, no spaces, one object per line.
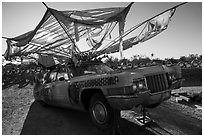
{"x":183,"y":36}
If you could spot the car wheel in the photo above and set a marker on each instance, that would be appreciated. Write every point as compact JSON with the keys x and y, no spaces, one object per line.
{"x":101,"y":113}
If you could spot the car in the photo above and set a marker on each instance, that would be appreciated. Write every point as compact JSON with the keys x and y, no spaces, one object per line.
{"x":99,"y":90}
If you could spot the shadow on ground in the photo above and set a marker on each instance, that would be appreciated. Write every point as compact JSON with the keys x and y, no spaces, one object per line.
{"x":193,"y":77}
{"x":57,"y":121}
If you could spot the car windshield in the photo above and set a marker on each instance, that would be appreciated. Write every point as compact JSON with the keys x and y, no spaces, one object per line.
{"x":90,"y":69}
{"x":94,"y":69}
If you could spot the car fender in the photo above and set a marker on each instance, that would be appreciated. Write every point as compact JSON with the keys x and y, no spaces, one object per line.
{"x":86,"y":94}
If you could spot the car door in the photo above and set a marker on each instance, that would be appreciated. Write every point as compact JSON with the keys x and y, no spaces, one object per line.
{"x":73,"y":90}
{"x":59,"y":89}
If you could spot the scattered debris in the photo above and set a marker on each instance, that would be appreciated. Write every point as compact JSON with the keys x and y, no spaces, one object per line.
{"x":134,"y":117}
{"x":198,"y":107}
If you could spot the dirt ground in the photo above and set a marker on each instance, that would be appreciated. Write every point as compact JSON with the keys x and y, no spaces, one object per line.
{"x":22,"y":115}
{"x":15,"y":106}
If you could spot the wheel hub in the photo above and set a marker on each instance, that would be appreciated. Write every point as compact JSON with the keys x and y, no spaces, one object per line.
{"x":99,"y":112}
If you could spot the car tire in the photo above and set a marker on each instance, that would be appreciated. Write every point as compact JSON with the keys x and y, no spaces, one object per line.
{"x":101,"y":113}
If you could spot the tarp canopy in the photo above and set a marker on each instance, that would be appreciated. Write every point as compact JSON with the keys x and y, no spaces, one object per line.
{"x":59,"y":31}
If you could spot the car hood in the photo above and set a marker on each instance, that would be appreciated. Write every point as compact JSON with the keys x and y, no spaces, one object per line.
{"x":126,"y":75}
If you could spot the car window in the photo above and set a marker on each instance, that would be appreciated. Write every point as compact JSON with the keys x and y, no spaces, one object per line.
{"x":89,"y":69}
{"x":58,"y":74}
{"x":62,"y":74}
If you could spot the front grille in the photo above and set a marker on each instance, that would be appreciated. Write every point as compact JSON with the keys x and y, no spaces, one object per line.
{"x":157,"y":83}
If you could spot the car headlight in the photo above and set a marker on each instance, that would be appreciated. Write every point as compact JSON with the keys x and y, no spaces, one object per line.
{"x":134,"y":87}
{"x":139,"y":85}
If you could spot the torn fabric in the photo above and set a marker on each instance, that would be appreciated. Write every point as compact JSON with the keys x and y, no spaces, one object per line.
{"x":58,"y":31}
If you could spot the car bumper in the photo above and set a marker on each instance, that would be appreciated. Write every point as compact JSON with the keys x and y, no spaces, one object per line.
{"x":126,"y":102}
{"x":145,"y":99}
